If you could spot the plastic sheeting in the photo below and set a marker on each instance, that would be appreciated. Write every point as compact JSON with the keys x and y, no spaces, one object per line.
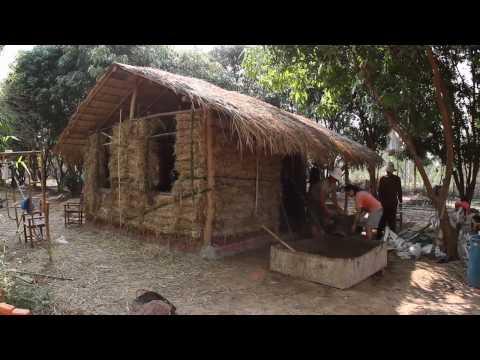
{"x":417,"y":247}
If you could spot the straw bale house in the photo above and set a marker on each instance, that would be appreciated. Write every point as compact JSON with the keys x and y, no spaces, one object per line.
{"x":183,"y":159}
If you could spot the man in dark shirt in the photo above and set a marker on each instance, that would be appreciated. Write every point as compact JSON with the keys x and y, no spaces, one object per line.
{"x":389,"y":194}
{"x":320,"y":191}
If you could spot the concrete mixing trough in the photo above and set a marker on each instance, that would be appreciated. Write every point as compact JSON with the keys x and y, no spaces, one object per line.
{"x":337,"y":271}
{"x":338,"y":261}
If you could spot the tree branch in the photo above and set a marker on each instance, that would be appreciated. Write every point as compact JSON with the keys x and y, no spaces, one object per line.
{"x":395,"y":125}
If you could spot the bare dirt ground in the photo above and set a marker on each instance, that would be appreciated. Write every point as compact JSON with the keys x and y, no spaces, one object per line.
{"x":108,"y":268}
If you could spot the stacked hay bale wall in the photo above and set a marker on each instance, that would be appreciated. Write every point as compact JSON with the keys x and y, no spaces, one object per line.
{"x":175,"y":213}
{"x":236,"y":216}
{"x":178,"y":213}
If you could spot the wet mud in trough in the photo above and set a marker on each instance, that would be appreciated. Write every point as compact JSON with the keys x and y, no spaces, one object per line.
{"x":338,"y":242}
{"x":335,"y":246}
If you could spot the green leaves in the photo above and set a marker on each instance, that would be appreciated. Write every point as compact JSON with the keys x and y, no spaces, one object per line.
{"x":19,"y":163}
{"x":390,"y":101}
{"x":48,"y":82}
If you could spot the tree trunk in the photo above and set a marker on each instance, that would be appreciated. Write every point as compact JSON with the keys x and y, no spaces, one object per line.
{"x":46,"y":157}
{"x":449,"y":234}
{"x":441,"y":95}
{"x":439,"y":202}
{"x":414,"y":178}
{"x":56,"y":166}
{"x":459,"y":184}
{"x":450,"y":237}
{"x":467,"y":187}
{"x":470,"y":190}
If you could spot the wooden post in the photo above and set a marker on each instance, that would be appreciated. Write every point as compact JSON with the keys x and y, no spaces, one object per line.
{"x":256,"y":187}
{"x":210,"y":179}
{"x":45,"y":205}
{"x":347,"y":181}
{"x":118,"y":160}
{"x":192,"y":162}
{"x":29,"y":176}
{"x":133,"y":102}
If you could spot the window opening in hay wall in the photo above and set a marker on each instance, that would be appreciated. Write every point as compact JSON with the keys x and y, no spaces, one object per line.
{"x":161,"y":156}
{"x":104,"y":161}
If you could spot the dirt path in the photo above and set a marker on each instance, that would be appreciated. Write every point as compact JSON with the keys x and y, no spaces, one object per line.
{"x":109,"y":268}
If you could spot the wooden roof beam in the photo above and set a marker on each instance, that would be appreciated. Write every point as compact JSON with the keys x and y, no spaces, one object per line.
{"x":103,"y":103}
{"x":107,"y":118}
{"x":162,"y":93}
{"x":113,"y":91}
{"x":98,"y":86}
{"x":71,"y":144}
{"x":121,"y":84}
{"x":90,"y":117}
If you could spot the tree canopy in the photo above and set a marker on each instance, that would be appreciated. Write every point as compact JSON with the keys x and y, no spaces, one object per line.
{"x":405,"y":88}
{"x":47,"y":83}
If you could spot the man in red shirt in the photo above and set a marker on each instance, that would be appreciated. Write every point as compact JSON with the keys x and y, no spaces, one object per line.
{"x":463,"y":204}
{"x":365,"y":203}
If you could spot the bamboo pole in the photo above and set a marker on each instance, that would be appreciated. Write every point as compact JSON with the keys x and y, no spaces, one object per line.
{"x":104,"y":133}
{"x":169,"y":113}
{"x":133,"y":102}
{"x":45,"y":205}
{"x":162,"y":135}
{"x":192,"y":173}
{"x":347,"y":181}
{"x":152,"y":116}
{"x":276,"y":237}
{"x":210,"y":179}
{"x":118,"y":163}
{"x":256,"y":188}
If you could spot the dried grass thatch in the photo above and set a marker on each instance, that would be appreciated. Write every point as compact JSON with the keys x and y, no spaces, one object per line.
{"x":256,"y":124}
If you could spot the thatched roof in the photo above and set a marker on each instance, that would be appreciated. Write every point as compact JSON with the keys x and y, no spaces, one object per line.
{"x":256,"y":123}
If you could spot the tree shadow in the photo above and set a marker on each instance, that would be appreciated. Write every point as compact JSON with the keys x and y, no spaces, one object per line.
{"x":406,"y":287}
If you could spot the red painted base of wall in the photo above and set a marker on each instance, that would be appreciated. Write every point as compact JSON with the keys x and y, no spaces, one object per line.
{"x":219,"y":251}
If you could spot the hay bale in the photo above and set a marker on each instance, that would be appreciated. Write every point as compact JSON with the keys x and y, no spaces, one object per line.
{"x":236,"y":190}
